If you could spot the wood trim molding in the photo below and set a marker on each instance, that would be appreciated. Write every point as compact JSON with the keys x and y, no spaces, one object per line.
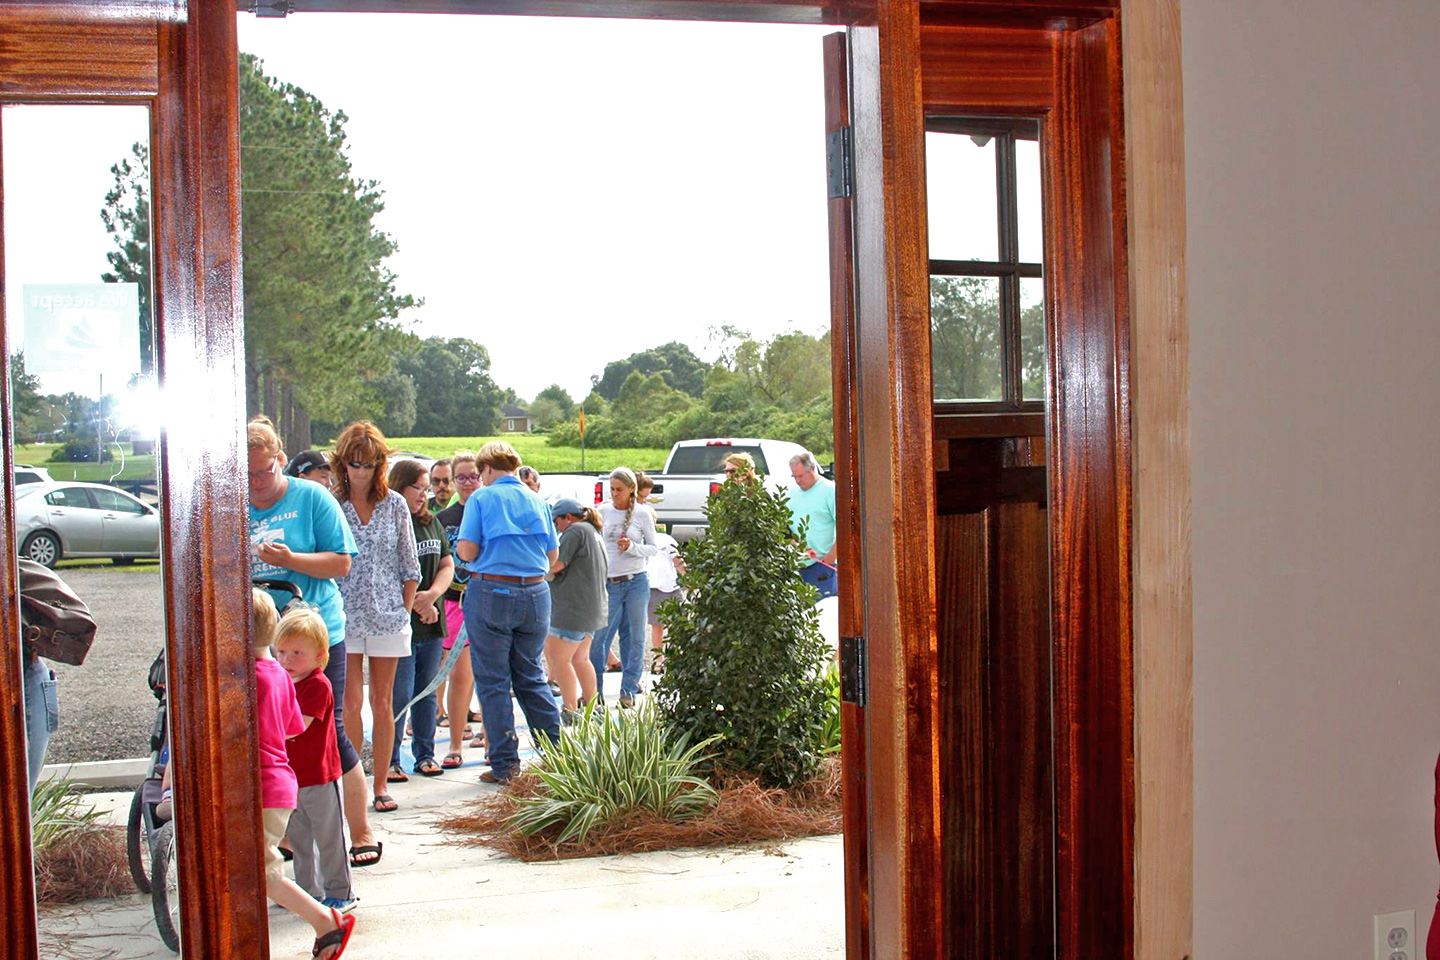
{"x":207,"y":581}
{"x":1160,"y":405}
{"x":48,"y":52}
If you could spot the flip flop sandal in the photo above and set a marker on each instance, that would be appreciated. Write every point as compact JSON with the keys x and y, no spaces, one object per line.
{"x":473,"y":717}
{"x":287,"y":854}
{"x":384,"y":803}
{"x":428,"y":768}
{"x":469,"y":732}
{"x":339,"y":937}
{"x":452,"y":760}
{"x":377,"y":848}
{"x":478,"y":741}
{"x":397,"y":774}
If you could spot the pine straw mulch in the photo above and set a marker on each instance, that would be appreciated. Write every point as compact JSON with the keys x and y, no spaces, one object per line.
{"x":83,"y":865}
{"x":746,"y":813}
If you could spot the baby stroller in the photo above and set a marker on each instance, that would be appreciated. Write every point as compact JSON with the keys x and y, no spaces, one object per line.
{"x":150,"y":833}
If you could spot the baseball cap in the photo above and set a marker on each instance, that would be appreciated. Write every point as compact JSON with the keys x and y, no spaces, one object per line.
{"x":567,"y":507}
{"x":304,"y":462}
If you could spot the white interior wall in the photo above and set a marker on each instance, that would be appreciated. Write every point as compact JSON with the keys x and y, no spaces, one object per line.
{"x":1312,"y":148}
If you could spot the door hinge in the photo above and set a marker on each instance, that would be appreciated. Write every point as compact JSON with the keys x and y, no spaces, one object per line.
{"x":854,"y":669}
{"x":837,"y":162}
{"x":270,"y":8}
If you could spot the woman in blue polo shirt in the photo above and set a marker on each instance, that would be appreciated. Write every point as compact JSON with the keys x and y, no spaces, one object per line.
{"x":507,"y":541}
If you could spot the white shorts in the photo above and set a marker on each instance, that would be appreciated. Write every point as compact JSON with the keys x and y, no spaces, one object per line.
{"x":379,"y":644}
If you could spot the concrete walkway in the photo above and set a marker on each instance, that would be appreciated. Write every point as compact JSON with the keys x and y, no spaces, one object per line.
{"x":432,"y":897}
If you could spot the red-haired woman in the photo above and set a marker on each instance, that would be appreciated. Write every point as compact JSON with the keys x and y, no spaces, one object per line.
{"x":379,"y":590}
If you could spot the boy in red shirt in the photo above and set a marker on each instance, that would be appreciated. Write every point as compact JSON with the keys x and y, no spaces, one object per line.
{"x":277,"y":718}
{"x":302,"y":646}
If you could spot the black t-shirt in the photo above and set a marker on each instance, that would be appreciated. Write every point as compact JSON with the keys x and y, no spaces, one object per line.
{"x":450,"y":519}
{"x":433,"y":546}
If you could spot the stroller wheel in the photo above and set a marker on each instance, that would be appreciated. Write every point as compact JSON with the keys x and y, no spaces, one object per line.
{"x":165,"y":895}
{"x":137,"y":842}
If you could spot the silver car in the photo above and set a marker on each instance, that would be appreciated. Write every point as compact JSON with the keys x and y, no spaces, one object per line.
{"x":55,"y":521}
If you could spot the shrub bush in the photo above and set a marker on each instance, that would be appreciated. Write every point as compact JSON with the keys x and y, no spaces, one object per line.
{"x":80,"y":451}
{"x":605,"y":767}
{"x":745,"y":659}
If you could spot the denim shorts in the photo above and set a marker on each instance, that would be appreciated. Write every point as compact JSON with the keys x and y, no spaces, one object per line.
{"x":574,"y":636}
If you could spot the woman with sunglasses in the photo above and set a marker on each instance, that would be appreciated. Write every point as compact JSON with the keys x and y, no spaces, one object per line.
{"x":415,"y":673}
{"x":298,"y":533}
{"x":379,"y":590}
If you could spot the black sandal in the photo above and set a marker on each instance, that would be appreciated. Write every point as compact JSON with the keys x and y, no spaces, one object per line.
{"x":339,"y":937}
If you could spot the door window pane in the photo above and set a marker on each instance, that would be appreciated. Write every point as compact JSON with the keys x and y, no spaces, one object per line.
{"x":960,"y":196}
{"x":965,"y":337}
{"x":79,"y":333}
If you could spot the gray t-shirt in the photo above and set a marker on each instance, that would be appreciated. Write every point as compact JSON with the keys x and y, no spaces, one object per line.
{"x":577,"y":594}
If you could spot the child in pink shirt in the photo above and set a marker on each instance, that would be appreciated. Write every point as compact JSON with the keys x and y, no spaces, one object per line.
{"x":277,"y":718}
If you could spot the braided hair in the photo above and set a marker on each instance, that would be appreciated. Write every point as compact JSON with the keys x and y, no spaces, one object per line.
{"x":626,"y":476}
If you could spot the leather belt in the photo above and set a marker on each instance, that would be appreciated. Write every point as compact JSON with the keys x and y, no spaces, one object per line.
{"x":504,"y":579}
{"x":625,"y":579}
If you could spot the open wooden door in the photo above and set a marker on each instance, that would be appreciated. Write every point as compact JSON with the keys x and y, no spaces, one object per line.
{"x":847,"y":496}
{"x":179,"y":62}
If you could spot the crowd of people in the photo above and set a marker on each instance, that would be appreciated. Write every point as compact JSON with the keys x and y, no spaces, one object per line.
{"x":404,"y":569}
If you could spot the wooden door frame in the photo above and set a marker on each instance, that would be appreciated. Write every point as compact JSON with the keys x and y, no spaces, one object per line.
{"x":181,"y":59}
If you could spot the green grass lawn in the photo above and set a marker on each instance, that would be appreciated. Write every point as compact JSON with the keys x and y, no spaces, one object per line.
{"x":534,"y":450}
{"x":135,"y":468}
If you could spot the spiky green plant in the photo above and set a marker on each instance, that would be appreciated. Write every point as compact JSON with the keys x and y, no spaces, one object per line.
{"x":57,"y":811}
{"x":830,"y":730}
{"x":605,"y":766}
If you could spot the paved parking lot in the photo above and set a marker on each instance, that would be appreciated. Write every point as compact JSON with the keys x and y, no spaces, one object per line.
{"x":106,"y":708}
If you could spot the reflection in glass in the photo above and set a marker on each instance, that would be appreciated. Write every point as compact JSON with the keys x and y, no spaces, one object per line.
{"x":1027,"y":184}
{"x":965,"y":338}
{"x":1032,"y":339}
{"x":79,"y":334}
{"x":960,"y":196}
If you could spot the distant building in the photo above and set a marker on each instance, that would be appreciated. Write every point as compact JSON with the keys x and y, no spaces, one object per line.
{"x":514,"y":420}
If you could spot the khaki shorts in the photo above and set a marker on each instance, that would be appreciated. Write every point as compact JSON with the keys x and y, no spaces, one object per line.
{"x":379,"y":644}
{"x":274,"y":820}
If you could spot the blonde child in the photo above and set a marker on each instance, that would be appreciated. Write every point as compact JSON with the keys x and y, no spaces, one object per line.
{"x":277,"y":718}
{"x":302,"y":646}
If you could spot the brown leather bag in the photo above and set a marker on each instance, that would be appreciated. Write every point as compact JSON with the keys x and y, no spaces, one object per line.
{"x":58,"y":625}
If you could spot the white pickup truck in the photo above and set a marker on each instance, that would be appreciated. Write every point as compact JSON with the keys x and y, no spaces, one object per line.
{"x":692,"y":472}
{"x":695,"y":468}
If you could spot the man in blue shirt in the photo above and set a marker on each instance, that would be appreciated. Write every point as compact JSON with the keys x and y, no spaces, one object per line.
{"x":507,"y":542}
{"x":813,"y":500}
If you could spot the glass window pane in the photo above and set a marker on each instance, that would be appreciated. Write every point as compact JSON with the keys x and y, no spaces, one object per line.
{"x":1032,"y":339}
{"x":965,"y":337}
{"x":960,"y":197}
{"x":1027,"y":182}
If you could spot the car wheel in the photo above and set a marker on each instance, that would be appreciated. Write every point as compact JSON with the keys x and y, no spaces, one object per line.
{"x":41,"y":547}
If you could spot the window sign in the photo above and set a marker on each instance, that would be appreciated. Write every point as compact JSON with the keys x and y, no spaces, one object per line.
{"x":82,"y":328}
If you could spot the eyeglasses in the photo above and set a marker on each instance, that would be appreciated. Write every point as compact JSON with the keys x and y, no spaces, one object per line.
{"x":468,"y":478}
{"x":262,"y":474}
{"x":361,"y":466}
{"x":730,"y":471}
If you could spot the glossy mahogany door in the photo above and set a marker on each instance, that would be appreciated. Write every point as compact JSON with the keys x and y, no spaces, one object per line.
{"x":180,"y":61}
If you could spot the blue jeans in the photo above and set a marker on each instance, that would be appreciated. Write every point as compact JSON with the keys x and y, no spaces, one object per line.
{"x":628,"y":602}
{"x":413,"y":674}
{"x":507,"y":624}
{"x":42,"y":713}
{"x":822,"y":577}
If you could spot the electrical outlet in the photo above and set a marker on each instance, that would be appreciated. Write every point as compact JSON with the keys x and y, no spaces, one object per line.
{"x":1395,"y":936}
